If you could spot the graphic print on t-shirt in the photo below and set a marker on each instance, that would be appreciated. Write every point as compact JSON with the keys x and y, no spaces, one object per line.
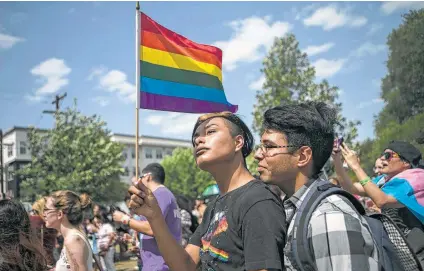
{"x":217,"y":226}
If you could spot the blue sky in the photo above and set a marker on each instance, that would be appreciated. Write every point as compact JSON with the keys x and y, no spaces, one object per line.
{"x":87,"y":50}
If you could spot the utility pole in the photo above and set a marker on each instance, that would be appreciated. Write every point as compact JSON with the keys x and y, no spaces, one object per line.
{"x":56,"y":102}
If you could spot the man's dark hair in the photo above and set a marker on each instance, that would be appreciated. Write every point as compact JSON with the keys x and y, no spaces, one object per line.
{"x":236,"y":126}
{"x":305,"y":124}
{"x":157,"y":171}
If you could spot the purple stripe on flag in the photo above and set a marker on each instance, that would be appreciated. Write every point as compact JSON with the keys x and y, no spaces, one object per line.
{"x":176,"y":104}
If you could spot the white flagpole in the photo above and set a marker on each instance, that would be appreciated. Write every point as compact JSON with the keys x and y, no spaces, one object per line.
{"x":137,"y":82}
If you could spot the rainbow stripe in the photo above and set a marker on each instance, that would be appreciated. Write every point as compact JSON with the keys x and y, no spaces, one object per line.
{"x":214,"y":252}
{"x":408,"y":188}
{"x":178,"y":74}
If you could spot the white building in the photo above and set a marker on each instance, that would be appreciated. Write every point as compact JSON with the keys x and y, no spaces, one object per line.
{"x":16,"y":153}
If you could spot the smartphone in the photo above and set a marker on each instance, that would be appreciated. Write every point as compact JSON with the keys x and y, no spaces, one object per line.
{"x":339,"y":142}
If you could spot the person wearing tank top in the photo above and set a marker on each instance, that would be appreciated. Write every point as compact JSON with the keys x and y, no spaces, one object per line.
{"x":64,"y":212}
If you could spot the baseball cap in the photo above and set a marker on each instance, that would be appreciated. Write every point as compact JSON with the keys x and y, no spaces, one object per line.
{"x":407,"y":151}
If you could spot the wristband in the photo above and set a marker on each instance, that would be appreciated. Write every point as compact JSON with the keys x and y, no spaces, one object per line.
{"x":125,"y":220}
{"x":365,"y":181}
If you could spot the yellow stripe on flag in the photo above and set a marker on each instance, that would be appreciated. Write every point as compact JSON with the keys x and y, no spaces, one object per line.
{"x":178,"y":61}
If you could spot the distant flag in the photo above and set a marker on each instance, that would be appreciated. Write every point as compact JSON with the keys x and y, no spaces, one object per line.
{"x":177,"y":74}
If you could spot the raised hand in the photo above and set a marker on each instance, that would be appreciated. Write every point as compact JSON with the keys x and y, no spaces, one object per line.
{"x":350,"y":156}
{"x":143,"y":202}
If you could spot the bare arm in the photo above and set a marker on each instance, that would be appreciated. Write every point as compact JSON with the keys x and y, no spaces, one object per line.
{"x":345,"y":181}
{"x":371,"y":190}
{"x":77,"y":253}
{"x":143,"y":202}
{"x":141,"y":226}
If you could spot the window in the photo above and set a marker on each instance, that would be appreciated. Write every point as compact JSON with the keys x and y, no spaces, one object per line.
{"x":10,"y":175}
{"x":158,"y":153}
{"x":149,"y":154}
{"x":169,"y":152}
{"x":22,"y":147}
{"x":133,"y":171}
{"x":126,"y":171}
{"x":9,"y":150}
{"x":124,"y":154}
{"x":133,"y":153}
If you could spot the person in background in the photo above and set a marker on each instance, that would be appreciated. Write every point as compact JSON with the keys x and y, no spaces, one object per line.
{"x":20,"y":249}
{"x":106,"y":237}
{"x":47,"y":236}
{"x":186,"y":218}
{"x":236,"y":233}
{"x":64,"y":212}
{"x":150,"y":254}
{"x":397,"y":191}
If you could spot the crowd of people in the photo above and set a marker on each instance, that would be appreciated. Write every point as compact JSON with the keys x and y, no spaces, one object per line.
{"x":289,"y":217}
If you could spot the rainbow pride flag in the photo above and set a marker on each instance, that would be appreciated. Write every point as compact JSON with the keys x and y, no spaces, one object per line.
{"x":408,"y":188}
{"x":178,"y":74}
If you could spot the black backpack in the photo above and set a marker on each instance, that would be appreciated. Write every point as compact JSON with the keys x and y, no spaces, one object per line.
{"x":394,"y":253}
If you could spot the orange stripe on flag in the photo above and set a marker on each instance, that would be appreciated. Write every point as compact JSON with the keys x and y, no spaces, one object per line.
{"x":147,"y":24}
{"x":159,"y":42}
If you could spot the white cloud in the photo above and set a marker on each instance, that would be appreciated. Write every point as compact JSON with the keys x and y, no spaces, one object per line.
{"x":52,"y":75}
{"x":95,"y":72}
{"x":318,"y":49}
{"x":7,"y":41}
{"x":331,"y":17}
{"x":369,"y":48}
{"x":251,"y":37}
{"x":369,"y":103}
{"x":327,"y":68}
{"x":257,"y":84}
{"x":114,"y":81}
{"x":374,"y":28}
{"x":304,"y":11}
{"x":102,"y":101}
{"x":390,"y":7}
{"x":172,"y":123}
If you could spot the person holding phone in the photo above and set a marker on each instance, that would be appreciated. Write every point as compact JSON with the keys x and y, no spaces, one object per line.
{"x":151,"y":258}
{"x":244,"y":227}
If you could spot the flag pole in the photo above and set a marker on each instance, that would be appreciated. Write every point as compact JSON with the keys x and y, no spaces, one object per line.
{"x":137,"y":82}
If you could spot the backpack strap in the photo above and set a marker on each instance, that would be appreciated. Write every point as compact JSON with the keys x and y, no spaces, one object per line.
{"x":319,"y":190}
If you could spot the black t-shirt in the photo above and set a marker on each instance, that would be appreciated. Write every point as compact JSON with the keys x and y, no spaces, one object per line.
{"x":242,"y":230}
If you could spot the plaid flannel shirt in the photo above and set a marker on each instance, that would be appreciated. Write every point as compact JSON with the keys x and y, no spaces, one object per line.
{"x":338,"y":236}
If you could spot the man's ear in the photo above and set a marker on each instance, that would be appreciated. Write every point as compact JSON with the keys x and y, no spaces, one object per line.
{"x":305,"y":156}
{"x":239,"y":142}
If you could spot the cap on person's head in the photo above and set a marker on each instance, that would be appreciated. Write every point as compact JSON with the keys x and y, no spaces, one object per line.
{"x":407,"y":151}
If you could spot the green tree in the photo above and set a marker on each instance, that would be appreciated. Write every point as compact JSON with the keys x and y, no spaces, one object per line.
{"x":77,"y":155}
{"x":182,"y":174}
{"x":403,"y":86}
{"x":290,"y":78}
{"x":402,"y":90}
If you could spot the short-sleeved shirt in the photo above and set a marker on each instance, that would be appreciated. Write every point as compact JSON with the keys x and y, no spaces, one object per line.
{"x":243,"y":229}
{"x":149,"y":251}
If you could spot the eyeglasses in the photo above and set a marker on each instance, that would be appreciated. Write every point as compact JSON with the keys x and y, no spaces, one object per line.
{"x":266,"y":148}
{"x":389,"y":155}
{"x":45,"y":210}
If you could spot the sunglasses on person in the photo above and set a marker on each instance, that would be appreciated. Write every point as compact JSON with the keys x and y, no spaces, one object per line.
{"x":389,"y":155}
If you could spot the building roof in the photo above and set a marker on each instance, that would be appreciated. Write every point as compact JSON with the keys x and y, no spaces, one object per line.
{"x":21,"y":128}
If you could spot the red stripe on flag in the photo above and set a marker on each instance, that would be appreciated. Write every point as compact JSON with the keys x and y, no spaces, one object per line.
{"x":147,"y":24}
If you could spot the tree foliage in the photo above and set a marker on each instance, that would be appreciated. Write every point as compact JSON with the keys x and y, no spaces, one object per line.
{"x":182,"y":174}
{"x":402,"y":90}
{"x":290,"y":78}
{"x":77,"y":155}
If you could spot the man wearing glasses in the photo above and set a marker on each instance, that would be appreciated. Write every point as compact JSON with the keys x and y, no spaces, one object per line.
{"x":296,"y":143}
{"x":398,"y":191}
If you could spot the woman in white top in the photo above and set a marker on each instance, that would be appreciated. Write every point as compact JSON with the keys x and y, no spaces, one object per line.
{"x":64,"y":212}
{"x":106,"y":236}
